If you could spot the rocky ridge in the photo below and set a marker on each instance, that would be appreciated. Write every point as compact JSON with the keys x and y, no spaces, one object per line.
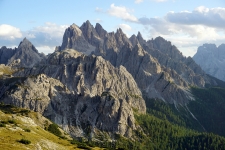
{"x":92,"y":93}
{"x":156,"y":65}
{"x":212,"y":59}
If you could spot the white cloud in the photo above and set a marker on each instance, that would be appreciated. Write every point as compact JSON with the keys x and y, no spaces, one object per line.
{"x":121,"y":12}
{"x":211,"y":17}
{"x":193,"y":24}
{"x":97,"y":20}
{"x":125,"y":27}
{"x":97,"y":9}
{"x":138,"y":1}
{"x":188,"y":30}
{"x":44,"y":38}
{"x":202,"y":9}
{"x":52,"y":29}
{"x":45,"y":49}
{"x":9,"y":32}
{"x":49,"y":34}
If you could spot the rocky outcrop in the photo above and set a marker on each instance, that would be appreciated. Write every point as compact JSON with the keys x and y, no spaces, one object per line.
{"x":96,"y":95}
{"x":212,"y":59}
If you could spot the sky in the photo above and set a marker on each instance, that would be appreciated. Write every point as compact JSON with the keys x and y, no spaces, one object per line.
{"x":187,"y":24}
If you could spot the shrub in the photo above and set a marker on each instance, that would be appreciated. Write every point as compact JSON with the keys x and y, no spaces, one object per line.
{"x":53,"y":128}
{"x":26,"y":130}
{"x":23,"y":141}
{"x":12,"y":121}
{"x":24,"y":112}
{"x":4,"y":122}
{"x":2,"y":125}
{"x":83,"y":146}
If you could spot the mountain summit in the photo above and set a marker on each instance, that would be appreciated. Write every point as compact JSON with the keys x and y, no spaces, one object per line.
{"x":26,"y":55}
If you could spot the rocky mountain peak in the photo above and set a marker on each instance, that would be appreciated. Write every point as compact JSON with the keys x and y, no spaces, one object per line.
{"x":25,"y":40}
{"x":139,"y":36}
{"x":101,"y":32}
{"x":222,"y":47}
{"x":88,"y":29}
{"x":208,"y":48}
{"x":88,"y":23}
{"x":133,"y":39}
{"x":167,"y":48}
{"x":119,"y":31}
{"x":3,"y":47}
{"x":141,"y":39}
{"x":27,"y":45}
{"x":160,"y":42}
{"x":73,"y":38}
{"x":121,"y":38}
{"x":26,"y":55}
{"x":221,"y":51}
{"x":90,"y":34}
{"x":75,"y":29}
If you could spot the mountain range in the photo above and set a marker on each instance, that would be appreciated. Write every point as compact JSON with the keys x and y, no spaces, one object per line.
{"x":104,"y":86}
{"x":211,"y":59}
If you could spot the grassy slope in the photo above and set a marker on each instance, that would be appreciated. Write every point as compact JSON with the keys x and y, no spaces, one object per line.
{"x":18,"y":122}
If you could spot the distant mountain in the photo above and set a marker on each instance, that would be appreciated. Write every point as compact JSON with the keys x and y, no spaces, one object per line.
{"x":212,"y":59}
{"x":6,"y":54}
{"x":26,"y":55}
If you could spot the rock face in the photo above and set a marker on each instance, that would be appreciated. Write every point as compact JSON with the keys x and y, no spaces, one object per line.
{"x":158,"y":67}
{"x":92,"y":94}
{"x":26,"y":55}
{"x":73,"y":38}
{"x":212,"y":59}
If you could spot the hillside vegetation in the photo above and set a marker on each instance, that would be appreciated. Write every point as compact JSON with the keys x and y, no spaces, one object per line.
{"x":23,"y":129}
{"x":209,"y":108}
